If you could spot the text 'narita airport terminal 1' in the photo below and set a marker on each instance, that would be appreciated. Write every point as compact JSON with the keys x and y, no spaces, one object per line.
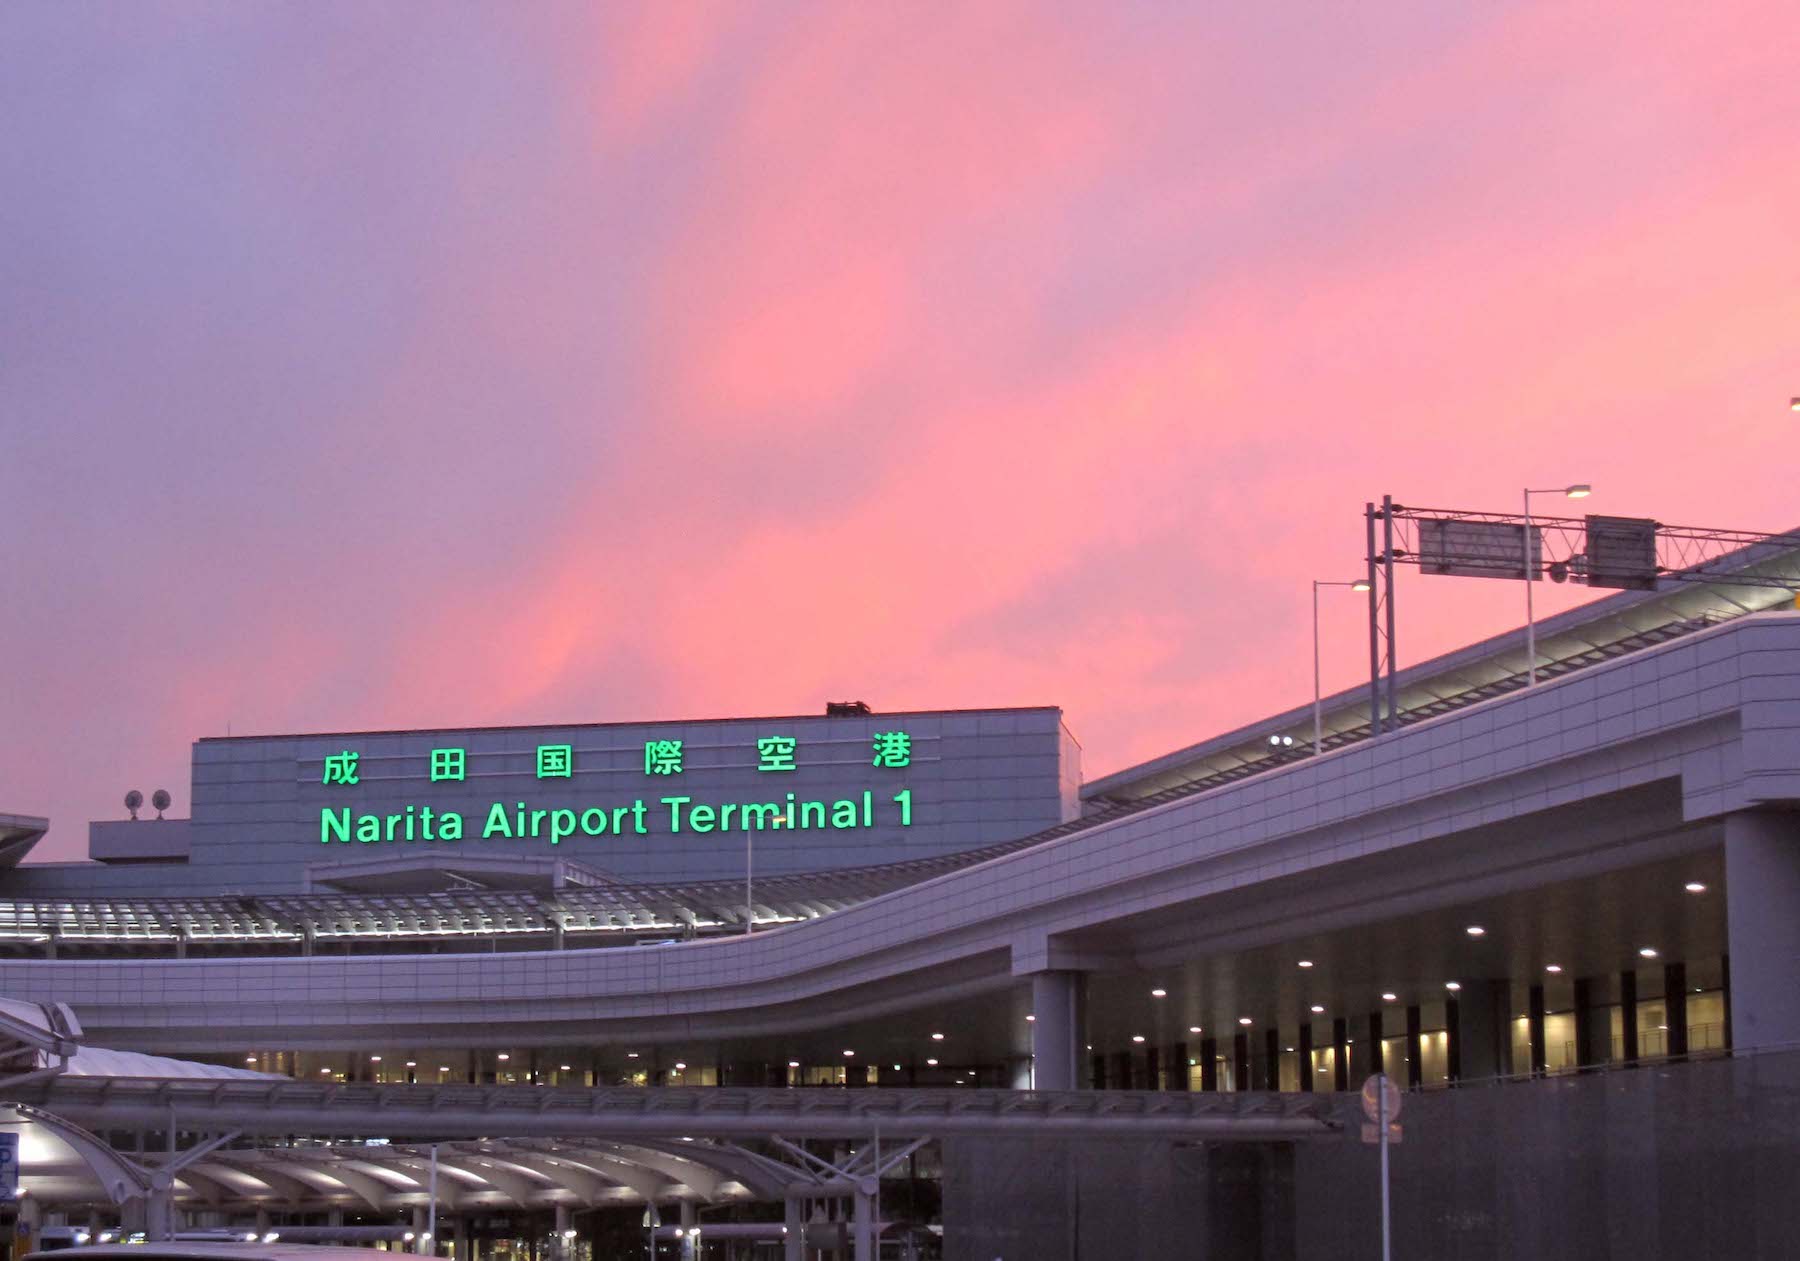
{"x":892,"y":750}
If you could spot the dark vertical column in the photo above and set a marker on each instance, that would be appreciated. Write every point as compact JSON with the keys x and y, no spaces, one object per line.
{"x":1675,"y":1007}
{"x":1762,"y":926}
{"x":1272,"y":1058}
{"x":1177,"y":1077}
{"x":1415,"y":1047}
{"x":1152,"y":1069}
{"x":1099,"y":1070}
{"x":1121,"y":1074}
{"x":1584,"y":1022}
{"x":1725,"y":988}
{"x":1453,"y":1039}
{"x":1240,"y":1060}
{"x":1209,"y":1063}
{"x":1305,"y":1047}
{"x":1377,"y":1057}
{"x":1534,"y":1026}
{"x":1340,"y":1053}
{"x":1628,"y":1016}
{"x":856,"y":1074}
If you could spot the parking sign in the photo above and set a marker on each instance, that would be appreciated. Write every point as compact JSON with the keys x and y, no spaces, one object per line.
{"x":9,"y":1166}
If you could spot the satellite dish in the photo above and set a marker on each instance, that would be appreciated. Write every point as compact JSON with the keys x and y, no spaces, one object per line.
{"x":160,"y":799}
{"x":133,"y":800}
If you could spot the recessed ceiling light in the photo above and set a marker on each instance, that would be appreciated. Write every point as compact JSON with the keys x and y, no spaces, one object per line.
{"x":848,"y":1051}
{"x":680,"y":1067}
{"x":933,"y":1063}
{"x":631,"y":1055}
{"x":1306,"y":963}
{"x":1452,"y":985}
{"x":565,"y":1068}
{"x":1318,"y":1009}
{"x":376,"y":1059}
{"x":412,"y":1063}
{"x":1137,"y":1037}
{"x":504,"y":1056}
{"x":1649,"y":952}
{"x":1244,"y":1020}
{"x":1475,"y":930}
{"x":1390,"y":998}
{"x":251,"y":1059}
{"x":796,"y":1063}
{"x":1193,"y":1028}
{"x":937,"y":1037}
{"x":1553,"y":967}
{"x":1694,"y":886}
{"x":1030,"y":1018}
{"x":1159,"y":993}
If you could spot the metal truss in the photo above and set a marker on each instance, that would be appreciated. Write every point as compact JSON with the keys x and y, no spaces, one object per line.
{"x":1683,"y":553}
{"x":409,"y":1113}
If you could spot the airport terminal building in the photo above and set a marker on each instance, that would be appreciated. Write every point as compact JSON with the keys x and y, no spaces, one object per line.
{"x":1565,"y":917}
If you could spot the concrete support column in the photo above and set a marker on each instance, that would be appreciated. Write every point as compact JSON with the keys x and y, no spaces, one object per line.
{"x":420,"y":1243}
{"x":1099,"y":1080}
{"x":565,"y":1233}
{"x":262,"y":1221}
{"x":1478,"y":1035}
{"x":1305,"y":1047}
{"x":1271,"y":1058}
{"x":1593,"y":1033}
{"x":1120,"y":1077}
{"x":1628,"y":1022}
{"x":1178,"y":1067}
{"x":1534,"y":1032}
{"x":1675,"y":1008}
{"x":1056,"y":1037}
{"x":862,"y":1221}
{"x":1153,"y":1067}
{"x":1377,"y":1049}
{"x":1240,"y":1060}
{"x":690,"y":1218}
{"x":1209,"y":1063}
{"x":459,"y":1233}
{"x":1762,"y":920}
{"x":793,"y":1245}
{"x":1415,"y":1047}
{"x":1340,"y":1054}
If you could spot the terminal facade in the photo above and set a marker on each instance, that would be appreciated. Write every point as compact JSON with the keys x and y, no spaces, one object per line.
{"x":1511,"y":884}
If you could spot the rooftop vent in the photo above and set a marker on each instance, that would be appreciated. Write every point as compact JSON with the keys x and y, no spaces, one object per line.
{"x":847,"y":709}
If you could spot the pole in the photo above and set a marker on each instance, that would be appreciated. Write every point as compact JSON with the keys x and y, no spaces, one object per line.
{"x":1530,"y":624}
{"x":431,"y":1214}
{"x":1318,"y":730}
{"x":1374,"y":628}
{"x":1387,"y":551}
{"x":1381,"y":1080}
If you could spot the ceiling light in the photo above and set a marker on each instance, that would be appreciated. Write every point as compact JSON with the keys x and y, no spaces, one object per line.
{"x":1316,"y":1008}
{"x":631,"y":1055}
{"x":443,"y":1068}
{"x":251,"y":1059}
{"x":1159,"y":993}
{"x":374,"y":1059}
{"x":1306,"y":963}
{"x":1030,"y":1018}
{"x":1475,"y":930}
{"x":793,"y":1063}
{"x":937,"y":1037}
{"x":1694,"y":886}
{"x":504,"y":1057}
{"x":1553,"y":967}
{"x":415,"y":1064}
{"x":933,"y":1063}
{"x":1137,"y":1037}
{"x":680,"y":1067}
{"x":1649,"y":952}
{"x":848,"y":1051}
{"x":1193,"y":1028}
{"x":1390,"y":998}
{"x":1452,"y":985}
{"x":564,"y":1068}
{"x":1244,"y":1020}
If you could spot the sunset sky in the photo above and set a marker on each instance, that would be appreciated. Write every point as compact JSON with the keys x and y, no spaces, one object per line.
{"x":394,"y":365}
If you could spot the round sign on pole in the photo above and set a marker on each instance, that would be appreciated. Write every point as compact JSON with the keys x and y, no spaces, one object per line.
{"x":1373,"y":1089}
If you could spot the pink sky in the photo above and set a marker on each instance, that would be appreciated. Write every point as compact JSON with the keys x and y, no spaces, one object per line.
{"x":589,"y":362}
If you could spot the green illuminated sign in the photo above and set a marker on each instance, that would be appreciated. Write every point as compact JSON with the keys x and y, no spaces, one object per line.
{"x":674,"y":815}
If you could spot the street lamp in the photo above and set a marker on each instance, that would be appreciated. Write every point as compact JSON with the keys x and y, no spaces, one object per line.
{"x":1580,"y":490}
{"x":1361,"y":584}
